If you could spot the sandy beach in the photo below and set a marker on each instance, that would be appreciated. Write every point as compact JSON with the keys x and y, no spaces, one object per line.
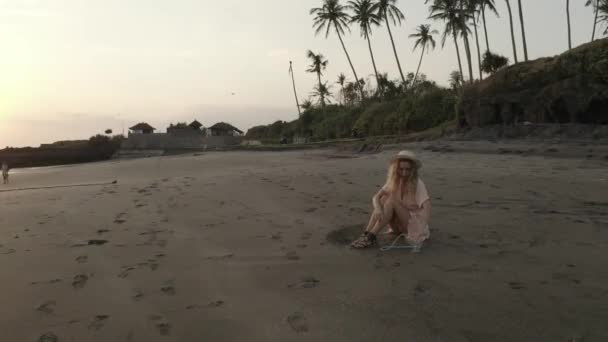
{"x":252,"y":246}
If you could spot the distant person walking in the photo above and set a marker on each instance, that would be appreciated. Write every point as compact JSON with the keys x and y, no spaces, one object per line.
{"x":5,"y":172}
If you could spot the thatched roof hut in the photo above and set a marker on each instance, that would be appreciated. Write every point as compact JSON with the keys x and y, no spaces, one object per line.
{"x":142,"y":128}
{"x":224,"y":129}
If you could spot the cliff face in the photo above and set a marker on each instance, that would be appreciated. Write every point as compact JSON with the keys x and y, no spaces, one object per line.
{"x":572,"y":87}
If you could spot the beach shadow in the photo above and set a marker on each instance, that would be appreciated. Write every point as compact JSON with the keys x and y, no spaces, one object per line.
{"x":344,"y":236}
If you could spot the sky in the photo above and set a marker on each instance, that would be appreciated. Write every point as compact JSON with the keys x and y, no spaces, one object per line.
{"x":70,"y":69}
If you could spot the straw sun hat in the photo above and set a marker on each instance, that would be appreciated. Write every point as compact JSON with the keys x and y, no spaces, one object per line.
{"x":407,"y":155}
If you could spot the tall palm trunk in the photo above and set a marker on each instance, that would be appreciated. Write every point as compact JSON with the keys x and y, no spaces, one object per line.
{"x":467,"y":50}
{"x":485,"y":28}
{"x":523,"y":30}
{"x":478,"y":51}
{"x":458,"y":55}
{"x":293,"y":80}
{"x":388,"y":26}
{"x":371,"y":53}
{"x":569,"y":31}
{"x":512,"y":32}
{"x":597,"y":9}
{"x":321,"y":94}
{"x":357,"y":82}
{"x":419,"y":64}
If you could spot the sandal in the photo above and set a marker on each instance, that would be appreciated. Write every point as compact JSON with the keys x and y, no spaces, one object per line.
{"x":366,"y":240}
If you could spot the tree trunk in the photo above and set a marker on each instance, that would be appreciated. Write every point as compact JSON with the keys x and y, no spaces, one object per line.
{"x":458,"y":55}
{"x":467,"y":50}
{"x":569,"y":31}
{"x":478,"y":50}
{"x":293,"y":80}
{"x":388,"y":26}
{"x":419,"y":64}
{"x":597,"y":8}
{"x":485,"y":28}
{"x":371,"y":53}
{"x":523,"y":30}
{"x":512,"y":32}
{"x":320,"y":92}
{"x":357,"y":82}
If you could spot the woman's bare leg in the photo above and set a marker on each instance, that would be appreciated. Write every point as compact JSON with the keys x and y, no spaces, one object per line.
{"x":371,"y":224}
{"x":388,"y":210}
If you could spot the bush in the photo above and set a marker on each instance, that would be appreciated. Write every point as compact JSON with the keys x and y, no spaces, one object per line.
{"x":491,"y":62}
{"x":420,"y":107}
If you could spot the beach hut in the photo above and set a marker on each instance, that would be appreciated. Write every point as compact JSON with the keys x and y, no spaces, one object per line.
{"x":142,"y":128}
{"x":225,"y":129}
{"x":195,"y":125}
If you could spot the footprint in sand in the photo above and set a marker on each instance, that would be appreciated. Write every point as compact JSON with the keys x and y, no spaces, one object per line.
{"x":168,"y":290}
{"x":97,"y":242}
{"x":308,"y":282}
{"x":80,"y":281}
{"x":306,"y":236}
{"x":137,"y":295}
{"x":162,"y":326}
{"x":48,"y":337}
{"x":297,"y":322}
{"x":98,"y":322}
{"x":292,"y":256}
{"x":47,"y":307}
{"x":101,"y":231}
{"x":215,"y":304}
{"x":125,"y":272}
{"x":52,"y":281}
{"x":517,"y":285}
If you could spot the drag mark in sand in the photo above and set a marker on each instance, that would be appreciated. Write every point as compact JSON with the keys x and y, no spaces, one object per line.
{"x":58,"y":186}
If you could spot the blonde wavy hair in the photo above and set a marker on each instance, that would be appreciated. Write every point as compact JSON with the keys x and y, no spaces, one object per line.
{"x":393,"y":178}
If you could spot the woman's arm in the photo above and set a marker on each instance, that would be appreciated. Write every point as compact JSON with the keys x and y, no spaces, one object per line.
{"x":376,"y":199}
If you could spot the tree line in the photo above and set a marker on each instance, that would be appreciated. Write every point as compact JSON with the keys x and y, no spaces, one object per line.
{"x":462,"y":22}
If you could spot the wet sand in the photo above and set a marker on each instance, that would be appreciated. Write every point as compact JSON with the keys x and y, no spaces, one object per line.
{"x":252,"y":246}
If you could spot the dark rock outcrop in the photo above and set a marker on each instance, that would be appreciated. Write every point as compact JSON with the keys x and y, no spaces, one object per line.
{"x":569,"y":88}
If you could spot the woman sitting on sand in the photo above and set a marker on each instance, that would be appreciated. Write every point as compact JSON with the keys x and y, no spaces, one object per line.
{"x":403,"y":204}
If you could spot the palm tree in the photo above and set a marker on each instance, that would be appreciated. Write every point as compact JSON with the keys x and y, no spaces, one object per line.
{"x":491,"y":6}
{"x":569,"y":31}
{"x":388,"y":9}
{"x":455,"y":78}
{"x":317,"y":66}
{"x":425,"y":38}
{"x":322,"y":92}
{"x":523,"y":30}
{"x":512,"y":32}
{"x":306,"y":104}
{"x":341,"y":82}
{"x":595,"y":4}
{"x":463,"y":18}
{"x":446,"y":10}
{"x":365,"y":15}
{"x":332,"y":15}
{"x":603,"y":16}
{"x":294,"y":87}
{"x":473,"y":6}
